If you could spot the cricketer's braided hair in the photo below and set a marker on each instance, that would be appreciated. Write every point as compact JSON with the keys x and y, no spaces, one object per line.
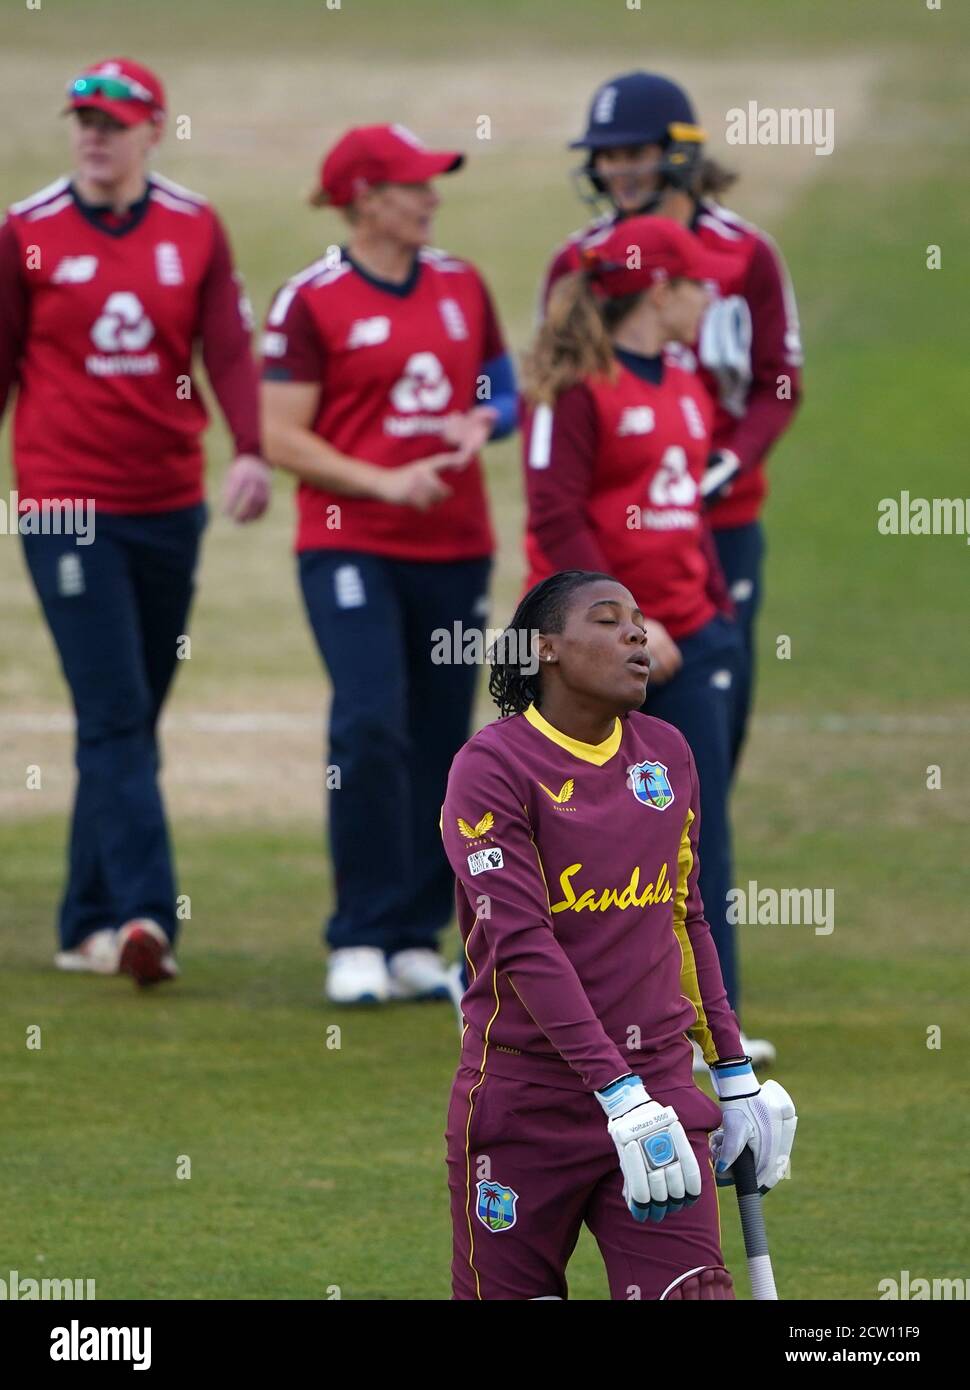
{"x":513,"y":685}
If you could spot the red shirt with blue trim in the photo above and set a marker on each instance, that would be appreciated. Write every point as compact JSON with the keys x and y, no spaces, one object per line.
{"x":101,"y":317}
{"x":612,"y":482}
{"x":749,"y":355}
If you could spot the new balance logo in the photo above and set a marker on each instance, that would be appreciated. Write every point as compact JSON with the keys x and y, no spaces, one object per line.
{"x":75,"y":270}
{"x":369,"y":332}
{"x":636,"y":419}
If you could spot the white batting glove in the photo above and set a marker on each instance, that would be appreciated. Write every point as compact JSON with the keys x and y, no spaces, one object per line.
{"x":761,"y":1118}
{"x":660,"y":1172}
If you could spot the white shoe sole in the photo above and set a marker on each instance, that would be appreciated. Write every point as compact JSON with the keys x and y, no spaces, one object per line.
{"x":77,"y":963}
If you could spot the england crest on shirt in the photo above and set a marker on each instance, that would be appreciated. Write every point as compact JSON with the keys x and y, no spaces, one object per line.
{"x":650,"y":784}
{"x":168,"y":264}
{"x":453,"y":319}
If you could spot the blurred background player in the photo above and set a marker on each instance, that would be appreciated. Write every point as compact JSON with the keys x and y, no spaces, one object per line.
{"x":615,"y":451}
{"x":384,"y":374}
{"x":108,"y":280}
{"x":575,"y":820}
{"x":645,"y":155}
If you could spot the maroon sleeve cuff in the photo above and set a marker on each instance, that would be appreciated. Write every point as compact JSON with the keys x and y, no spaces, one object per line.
{"x":14,"y":310}
{"x":224,"y":327}
{"x":559,"y":468}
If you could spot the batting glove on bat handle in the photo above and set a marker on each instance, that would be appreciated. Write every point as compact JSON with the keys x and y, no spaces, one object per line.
{"x":660,"y":1171}
{"x":760,"y":1117}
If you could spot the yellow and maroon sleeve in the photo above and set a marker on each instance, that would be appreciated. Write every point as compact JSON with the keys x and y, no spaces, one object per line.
{"x":716,"y":1031}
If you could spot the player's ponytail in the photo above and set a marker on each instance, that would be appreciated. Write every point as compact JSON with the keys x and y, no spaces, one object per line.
{"x":714,"y":178}
{"x":573,"y":340}
{"x":515,"y":682}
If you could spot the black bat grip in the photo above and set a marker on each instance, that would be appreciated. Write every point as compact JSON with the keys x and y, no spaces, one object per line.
{"x":745,"y":1175}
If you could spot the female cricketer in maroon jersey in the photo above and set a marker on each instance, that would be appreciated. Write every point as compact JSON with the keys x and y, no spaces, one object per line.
{"x":384,"y":374}
{"x":108,"y":279}
{"x":572,"y":827}
{"x":645,"y":155}
{"x":617,"y":443}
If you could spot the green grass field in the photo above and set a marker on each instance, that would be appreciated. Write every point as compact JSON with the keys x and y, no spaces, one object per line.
{"x":316,"y":1167}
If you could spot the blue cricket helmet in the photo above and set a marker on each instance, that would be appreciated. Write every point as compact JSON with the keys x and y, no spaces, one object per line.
{"x":636,"y":109}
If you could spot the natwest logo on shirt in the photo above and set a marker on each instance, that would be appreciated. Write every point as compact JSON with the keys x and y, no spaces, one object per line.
{"x":423,"y":386}
{"x":122,"y":329}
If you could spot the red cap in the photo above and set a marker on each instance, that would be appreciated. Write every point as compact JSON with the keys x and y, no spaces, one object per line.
{"x":638,"y":252}
{"x":371,"y":154}
{"x":124,"y":89}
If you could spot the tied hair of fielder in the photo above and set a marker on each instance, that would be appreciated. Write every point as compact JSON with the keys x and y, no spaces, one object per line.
{"x":512,"y":684}
{"x":573,"y":340}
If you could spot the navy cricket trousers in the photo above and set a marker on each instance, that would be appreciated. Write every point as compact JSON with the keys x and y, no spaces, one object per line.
{"x":699,"y":701}
{"x":397,"y":720}
{"x":741,"y":552}
{"x":116,"y":609}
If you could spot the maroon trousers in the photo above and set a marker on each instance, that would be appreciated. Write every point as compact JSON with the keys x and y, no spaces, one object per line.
{"x":528,"y":1164}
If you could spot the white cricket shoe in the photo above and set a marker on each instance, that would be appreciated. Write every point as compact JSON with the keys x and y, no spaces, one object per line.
{"x":760,"y":1050}
{"x":418,"y":974}
{"x":97,"y":953}
{"x":456,"y":990}
{"x":357,"y":975}
{"x":145,"y":952}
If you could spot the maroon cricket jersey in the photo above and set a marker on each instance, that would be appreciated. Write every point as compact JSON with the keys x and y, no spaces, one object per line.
{"x":611,"y":453}
{"x":752,"y":408}
{"x":392,"y":363}
{"x":100,"y":325}
{"x":588,"y":952}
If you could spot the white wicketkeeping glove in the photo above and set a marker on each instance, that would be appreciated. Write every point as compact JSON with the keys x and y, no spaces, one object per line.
{"x":660,"y":1171}
{"x":761,"y":1118}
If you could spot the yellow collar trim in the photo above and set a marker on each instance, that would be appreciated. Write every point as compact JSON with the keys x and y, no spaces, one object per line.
{"x":598,"y":753}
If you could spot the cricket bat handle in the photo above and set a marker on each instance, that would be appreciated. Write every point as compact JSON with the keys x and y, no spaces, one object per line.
{"x":753,"y":1227}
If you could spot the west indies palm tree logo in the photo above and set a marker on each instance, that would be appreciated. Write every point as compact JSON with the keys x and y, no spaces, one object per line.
{"x":650,"y":784}
{"x":496,"y":1206}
